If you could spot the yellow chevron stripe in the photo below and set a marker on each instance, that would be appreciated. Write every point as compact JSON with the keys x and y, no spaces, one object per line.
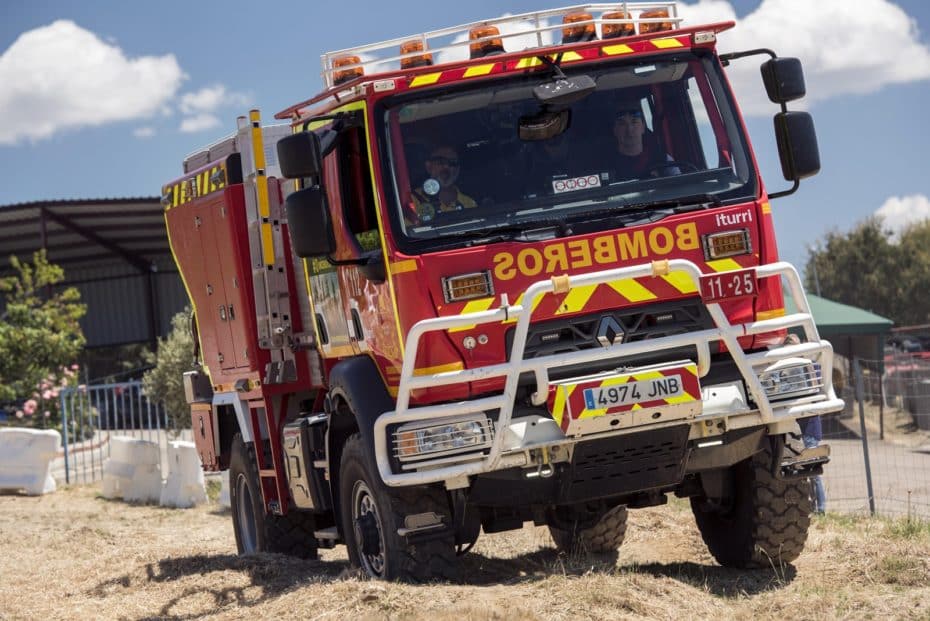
{"x":425,"y":80}
{"x":558,"y":406}
{"x":520,"y":301}
{"x":681,"y":281}
{"x":478,"y":70}
{"x":632,"y":290}
{"x":613,"y":50}
{"x":724,"y":265}
{"x":441,"y":368}
{"x":766,"y":208}
{"x":664,"y":44}
{"x":770,"y":314}
{"x":576,"y":299}
{"x":475,"y":306}
{"x":400,"y":267}
{"x":529,"y":61}
{"x":569,"y":56}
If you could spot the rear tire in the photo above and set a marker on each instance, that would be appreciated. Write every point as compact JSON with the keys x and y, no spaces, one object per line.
{"x":603,"y":538}
{"x":371,"y":512}
{"x":257,"y":531}
{"x":766,"y":522}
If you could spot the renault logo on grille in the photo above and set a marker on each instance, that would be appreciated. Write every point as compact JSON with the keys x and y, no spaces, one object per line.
{"x":609,"y":332}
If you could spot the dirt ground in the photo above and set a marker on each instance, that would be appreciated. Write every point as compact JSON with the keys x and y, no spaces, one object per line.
{"x":72,"y":554}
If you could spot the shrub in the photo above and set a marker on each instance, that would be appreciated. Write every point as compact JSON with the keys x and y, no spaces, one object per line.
{"x":164,"y":382}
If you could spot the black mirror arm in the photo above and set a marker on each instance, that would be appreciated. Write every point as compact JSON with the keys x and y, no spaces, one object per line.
{"x":791,"y":190}
{"x":726,"y":58}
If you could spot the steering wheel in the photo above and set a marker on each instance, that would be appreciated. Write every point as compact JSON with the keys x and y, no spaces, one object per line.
{"x":683,"y":167}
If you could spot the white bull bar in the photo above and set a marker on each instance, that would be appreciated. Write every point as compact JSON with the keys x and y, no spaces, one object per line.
{"x":441,"y":470}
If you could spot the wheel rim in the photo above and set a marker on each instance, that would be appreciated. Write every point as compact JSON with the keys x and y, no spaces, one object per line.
{"x":366,"y":522}
{"x":247,"y":533}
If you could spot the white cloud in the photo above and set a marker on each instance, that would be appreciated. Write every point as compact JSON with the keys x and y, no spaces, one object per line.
{"x":143,"y":132}
{"x":62,"y":76}
{"x":199,"y":123}
{"x":199,"y":106}
{"x":899,"y":212}
{"x":846,"y":48}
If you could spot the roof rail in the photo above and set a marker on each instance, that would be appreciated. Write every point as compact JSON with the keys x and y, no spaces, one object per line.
{"x":534,"y":30}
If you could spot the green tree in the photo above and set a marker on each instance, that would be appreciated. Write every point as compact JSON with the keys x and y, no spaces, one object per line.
{"x":164,"y":382}
{"x":40,"y":331}
{"x":914,"y":303}
{"x":860,"y":268}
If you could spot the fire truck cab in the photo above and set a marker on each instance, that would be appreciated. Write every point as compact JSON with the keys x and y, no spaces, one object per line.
{"x":521,"y":270}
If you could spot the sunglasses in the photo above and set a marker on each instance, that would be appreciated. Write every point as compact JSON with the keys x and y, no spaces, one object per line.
{"x":445,"y":161}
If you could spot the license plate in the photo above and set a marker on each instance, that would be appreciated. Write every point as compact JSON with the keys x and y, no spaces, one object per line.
{"x":629,"y":393}
{"x":729,"y":285}
{"x":610,"y":401}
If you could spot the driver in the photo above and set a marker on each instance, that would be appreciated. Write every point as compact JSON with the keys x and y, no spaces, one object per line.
{"x":638,"y":153}
{"x":439,"y":193}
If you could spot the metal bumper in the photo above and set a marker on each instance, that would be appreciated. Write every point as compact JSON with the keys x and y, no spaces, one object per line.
{"x":500,"y":455}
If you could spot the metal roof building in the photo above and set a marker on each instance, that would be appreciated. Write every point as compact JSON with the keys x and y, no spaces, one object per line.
{"x":114,"y":250}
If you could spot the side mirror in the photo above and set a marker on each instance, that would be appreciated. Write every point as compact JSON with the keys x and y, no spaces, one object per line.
{"x":543,"y":125}
{"x":797,"y":145}
{"x":309,"y":224}
{"x":299,"y":155}
{"x":783,"y":79}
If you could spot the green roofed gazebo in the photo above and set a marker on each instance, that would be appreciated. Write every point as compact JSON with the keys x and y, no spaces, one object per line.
{"x":854,"y":332}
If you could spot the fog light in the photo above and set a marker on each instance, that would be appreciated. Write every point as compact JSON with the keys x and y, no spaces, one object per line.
{"x":416,"y":441}
{"x":791,"y":378}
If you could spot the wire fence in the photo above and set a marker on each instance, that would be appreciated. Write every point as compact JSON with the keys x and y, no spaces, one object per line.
{"x":92,"y":415}
{"x":880,"y":443}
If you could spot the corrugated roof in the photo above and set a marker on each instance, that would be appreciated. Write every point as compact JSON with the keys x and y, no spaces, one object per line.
{"x":85,"y":231}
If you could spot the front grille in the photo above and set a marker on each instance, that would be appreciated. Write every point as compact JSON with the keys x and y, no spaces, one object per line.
{"x":626,"y":464}
{"x":652,"y":321}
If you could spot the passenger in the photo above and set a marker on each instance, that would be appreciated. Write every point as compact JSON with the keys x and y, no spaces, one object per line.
{"x":638,"y":154}
{"x":439,"y":193}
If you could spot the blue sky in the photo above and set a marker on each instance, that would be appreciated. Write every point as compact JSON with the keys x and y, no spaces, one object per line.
{"x":103,"y":99}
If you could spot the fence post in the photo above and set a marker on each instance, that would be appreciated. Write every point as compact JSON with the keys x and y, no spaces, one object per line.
{"x":860,"y":397}
{"x":64,"y":434}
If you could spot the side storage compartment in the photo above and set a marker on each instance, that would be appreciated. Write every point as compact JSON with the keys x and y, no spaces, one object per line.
{"x":305,"y":452}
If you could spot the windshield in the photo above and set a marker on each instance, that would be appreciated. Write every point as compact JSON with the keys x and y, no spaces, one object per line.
{"x":654,"y":136}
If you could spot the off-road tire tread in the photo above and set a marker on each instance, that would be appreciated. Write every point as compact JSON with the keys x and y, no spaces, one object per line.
{"x":427,"y":561}
{"x":777,"y":519}
{"x":604,"y":537}
{"x":290,"y":534}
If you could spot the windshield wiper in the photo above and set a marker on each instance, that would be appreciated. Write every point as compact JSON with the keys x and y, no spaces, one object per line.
{"x":524,"y":231}
{"x":680,"y":204}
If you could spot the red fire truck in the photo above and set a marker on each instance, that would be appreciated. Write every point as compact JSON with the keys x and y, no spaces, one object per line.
{"x":521,"y":270}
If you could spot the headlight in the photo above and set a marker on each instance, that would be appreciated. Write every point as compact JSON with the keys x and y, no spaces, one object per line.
{"x":792,"y":377}
{"x":417,"y":440}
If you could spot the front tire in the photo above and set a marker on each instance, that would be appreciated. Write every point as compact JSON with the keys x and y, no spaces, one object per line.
{"x":371,"y":513}
{"x":604,"y":537}
{"x":764,"y":523}
{"x":257,"y":531}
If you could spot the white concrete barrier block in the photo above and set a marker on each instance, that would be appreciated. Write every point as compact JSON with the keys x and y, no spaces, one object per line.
{"x":224,"y":490}
{"x":184,"y":486}
{"x":133,"y":471}
{"x":26,"y":458}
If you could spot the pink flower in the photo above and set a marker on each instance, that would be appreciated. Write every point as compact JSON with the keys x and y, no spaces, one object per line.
{"x":75,"y":367}
{"x":30,"y":407}
{"x":47,"y":394}
{"x":19,"y":413}
{"x":46,"y":414}
{"x":55,"y":394}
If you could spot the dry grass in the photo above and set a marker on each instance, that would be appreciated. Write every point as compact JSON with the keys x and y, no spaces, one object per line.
{"x":74,"y":555}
